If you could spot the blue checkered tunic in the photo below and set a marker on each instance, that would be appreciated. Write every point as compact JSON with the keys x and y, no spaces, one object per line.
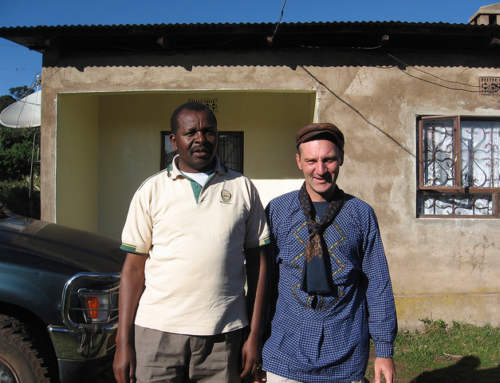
{"x":318,"y":339}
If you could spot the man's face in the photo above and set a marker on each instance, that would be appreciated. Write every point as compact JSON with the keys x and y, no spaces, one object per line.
{"x":320,"y":160}
{"x":195,"y":140}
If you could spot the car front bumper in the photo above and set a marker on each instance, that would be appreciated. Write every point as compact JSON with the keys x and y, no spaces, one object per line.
{"x":82,"y":355}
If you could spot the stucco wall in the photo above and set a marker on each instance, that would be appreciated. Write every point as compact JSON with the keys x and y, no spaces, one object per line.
{"x":77,"y":166}
{"x":441,"y":268}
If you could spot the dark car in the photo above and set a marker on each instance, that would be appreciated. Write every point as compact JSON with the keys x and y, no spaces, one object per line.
{"x":58,"y":301}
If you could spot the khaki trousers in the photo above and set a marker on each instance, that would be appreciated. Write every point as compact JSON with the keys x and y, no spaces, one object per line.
{"x":174,"y":358}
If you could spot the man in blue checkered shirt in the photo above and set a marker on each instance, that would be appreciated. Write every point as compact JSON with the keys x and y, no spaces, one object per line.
{"x":330,"y":290}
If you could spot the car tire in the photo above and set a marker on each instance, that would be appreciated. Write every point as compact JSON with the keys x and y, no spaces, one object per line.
{"x":19,"y":359}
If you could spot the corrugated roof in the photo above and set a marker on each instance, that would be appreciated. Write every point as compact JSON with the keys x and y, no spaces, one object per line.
{"x":244,"y":36}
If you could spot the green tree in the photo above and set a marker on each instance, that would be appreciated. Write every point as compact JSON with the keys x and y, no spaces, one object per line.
{"x":19,"y":92}
{"x":15,"y":144}
{"x":16,"y":147}
{"x":5,"y":101}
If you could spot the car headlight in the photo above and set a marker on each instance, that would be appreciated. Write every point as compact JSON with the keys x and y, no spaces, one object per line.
{"x":91,"y":299}
{"x":99,"y":306}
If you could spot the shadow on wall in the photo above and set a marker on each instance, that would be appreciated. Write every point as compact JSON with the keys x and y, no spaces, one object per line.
{"x":464,"y":371}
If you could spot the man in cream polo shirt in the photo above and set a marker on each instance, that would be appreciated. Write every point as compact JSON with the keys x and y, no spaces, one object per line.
{"x":189,"y":231}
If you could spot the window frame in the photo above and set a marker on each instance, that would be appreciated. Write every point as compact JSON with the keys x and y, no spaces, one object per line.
{"x":457,"y":188}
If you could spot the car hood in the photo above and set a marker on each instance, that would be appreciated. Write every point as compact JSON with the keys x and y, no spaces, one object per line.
{"x":83,"y":250}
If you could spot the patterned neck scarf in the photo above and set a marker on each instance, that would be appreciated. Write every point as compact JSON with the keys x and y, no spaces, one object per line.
{"x":315,"y":278}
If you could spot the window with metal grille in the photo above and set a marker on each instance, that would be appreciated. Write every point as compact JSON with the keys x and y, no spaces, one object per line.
{"x":230,"y":150}
{"x":459,"y":167}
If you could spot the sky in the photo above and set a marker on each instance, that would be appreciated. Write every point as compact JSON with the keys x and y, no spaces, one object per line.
{"x":20,"y":66}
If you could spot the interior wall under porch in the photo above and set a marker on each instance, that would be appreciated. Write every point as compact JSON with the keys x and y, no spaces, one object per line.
{"x":109,"y":143}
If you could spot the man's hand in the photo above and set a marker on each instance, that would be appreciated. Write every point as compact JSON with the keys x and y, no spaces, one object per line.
{"x":252,"y":362}
{"x":250,"y":357}
{"x":131,"y":287}
{"x":124,"y":364}
{"x":256,"y":295}
{"x":385,"y":366}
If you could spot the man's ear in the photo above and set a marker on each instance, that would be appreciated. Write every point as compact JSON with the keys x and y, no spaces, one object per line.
{"x":172,"y":141}
{"x":297,"y":158}
{"x":341,"y":162}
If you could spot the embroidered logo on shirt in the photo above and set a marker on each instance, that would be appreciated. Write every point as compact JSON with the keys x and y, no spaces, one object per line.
{"x":225,"y":196}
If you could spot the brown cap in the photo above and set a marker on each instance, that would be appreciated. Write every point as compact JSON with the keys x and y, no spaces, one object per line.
{"x":330,"y":131}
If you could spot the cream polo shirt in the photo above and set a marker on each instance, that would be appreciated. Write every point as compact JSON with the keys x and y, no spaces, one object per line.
{"x":194,"y":238}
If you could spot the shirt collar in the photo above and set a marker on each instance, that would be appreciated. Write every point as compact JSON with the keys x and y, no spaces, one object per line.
{"x":174,"y":171}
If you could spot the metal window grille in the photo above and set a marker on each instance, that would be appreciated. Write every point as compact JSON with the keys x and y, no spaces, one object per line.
{"x":231,"y":150}
{"x":459,"y":167}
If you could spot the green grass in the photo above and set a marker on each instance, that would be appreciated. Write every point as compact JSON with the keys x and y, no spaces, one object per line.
{"x":460,"y":353}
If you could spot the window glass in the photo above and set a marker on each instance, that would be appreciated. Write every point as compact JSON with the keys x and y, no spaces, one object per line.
{"x":231,"y":150}
{"x":480,"y":142}
{"x":439,"y":168}
{"x":455,"y":204}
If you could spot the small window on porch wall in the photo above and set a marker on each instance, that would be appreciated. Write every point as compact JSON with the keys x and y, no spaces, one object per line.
{"x":459,"y":167}
{"x":230,"y":150}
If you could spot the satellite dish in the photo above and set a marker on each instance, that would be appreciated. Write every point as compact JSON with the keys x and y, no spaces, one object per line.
{"x":25,"y":113}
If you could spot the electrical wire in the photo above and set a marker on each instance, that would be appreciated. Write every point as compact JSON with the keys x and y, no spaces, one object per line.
{"x":437,"y":77}
{"x":279,"y":21}
{"x":357,"y":112}
{"x":270,"y":39}
{"x":440,"y":85}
